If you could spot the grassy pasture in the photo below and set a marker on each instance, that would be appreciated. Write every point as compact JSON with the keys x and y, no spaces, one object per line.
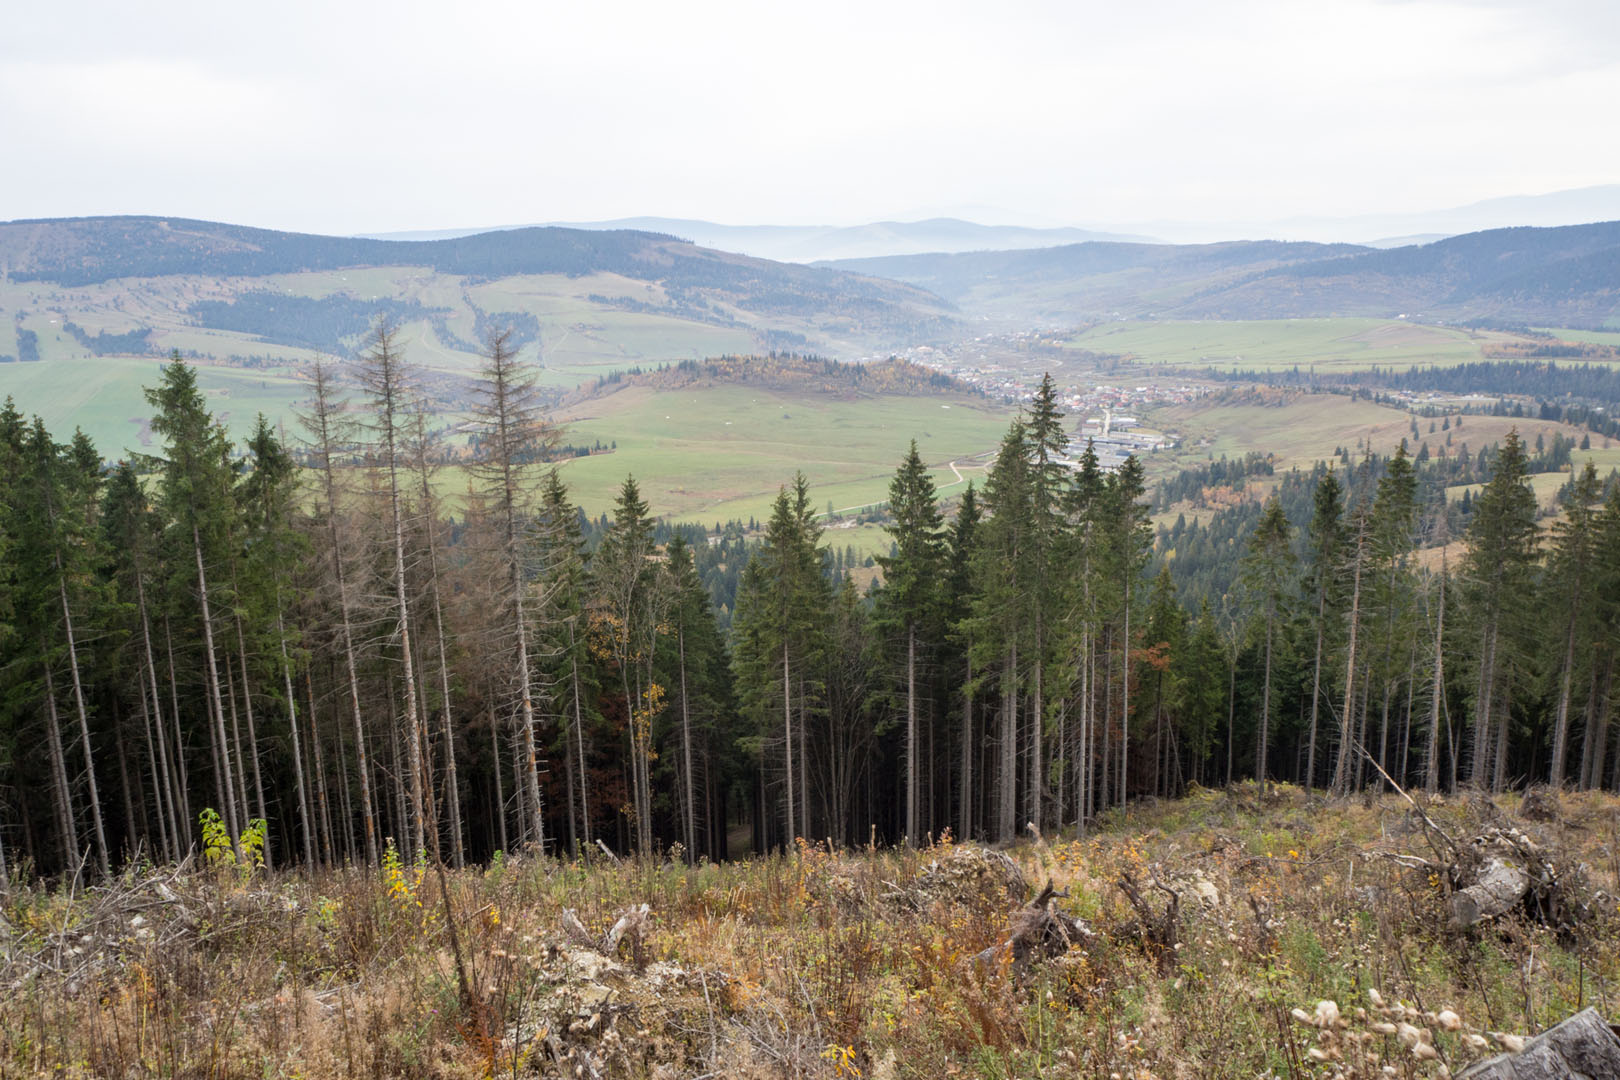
{"x":104,"y":397}
{"x":722,"y":452}
{"x":1590,"y":337}
{"x":1325,"y":345}
{"x":1303,"y":428}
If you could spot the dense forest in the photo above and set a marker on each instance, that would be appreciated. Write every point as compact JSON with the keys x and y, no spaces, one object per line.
{"x":303,"y":650}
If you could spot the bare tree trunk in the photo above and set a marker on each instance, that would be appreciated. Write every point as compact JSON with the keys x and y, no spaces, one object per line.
{"x":686,"y":752}
{"x":1125,"y":710}
{"x":304,"y":816}
{"x":1083,"y":785}
{"x":911,"y":737}
{"x":157,"y":782}
{"x":64,"y":793}
{"x":1499,"y":770}
{"x":787,"y":734}
{"x":253,"y":742}
{"x":1431,"y":772}
{"x":244,"y":812}
{"x":1037,"y":768}
{"x":1594,"y":741}
{"x":1482,"y":704}
{"x":500,"y":789}
{"x":579,"y":740}
{"x":182,"y":777}
{"x":317,"y":758}
{"x":1265,"y":704}
{"x":965,"y":813}
{"x":1007,"y":790}
{"x":1341,"y":772}
{"x":1560,"y":747}
{"x":102,"y":859}
{"x":1106,"y":760}
{"x":1316,"y":682}
{"x":413,"y":717}
{"x":166,"y":780}
{"x":228,"y":791}
{"x":1231,"y":712}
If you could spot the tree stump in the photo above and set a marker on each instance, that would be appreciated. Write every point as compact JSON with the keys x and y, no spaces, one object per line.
{"x":1584,"y":1047}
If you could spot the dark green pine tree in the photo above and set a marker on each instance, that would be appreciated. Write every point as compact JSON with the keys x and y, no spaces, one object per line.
{"x":1086,"y":506}
{"x":1394,"y":535}
{"x":627,"y":589}
{"x":195,"y":498}
{"x":999,"y":625}
{"x":131,"y":536}
{"x":1203,"y":695}
{"x":781,"y":617}
{"x":1572,"y":564}
{"x":272,"y":552}
{"x":908,"y":610}
{"x":1268,"y":568}
{"x":1048,"y":446}
{"x":961,"y":550}
{"x":691,"y":663}
{"x":1129,"y":541}
{"x":1502,"y":551}
{"x":1164,"y":642}
{"x":11,"y":698}
{"x":1324,"y":591}
{"x":57,"y":561}
{"x":565,"y":567}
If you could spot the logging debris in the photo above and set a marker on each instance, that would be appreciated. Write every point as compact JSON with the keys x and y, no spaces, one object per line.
{"x":1037,"y":931}
{"x":1158,"y":931}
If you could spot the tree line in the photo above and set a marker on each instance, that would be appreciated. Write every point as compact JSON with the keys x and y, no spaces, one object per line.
{"x":300,"y":637}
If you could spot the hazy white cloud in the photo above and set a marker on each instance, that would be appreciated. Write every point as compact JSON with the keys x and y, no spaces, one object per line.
{"x":363,"y":117}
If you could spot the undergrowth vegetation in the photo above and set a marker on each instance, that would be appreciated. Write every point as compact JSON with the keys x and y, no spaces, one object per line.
{"x":1306,"y":942}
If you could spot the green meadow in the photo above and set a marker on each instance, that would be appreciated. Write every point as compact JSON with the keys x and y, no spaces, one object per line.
{"x":1325,"y":345}
{"x":104,"y":397}
{"x":722,"y":452}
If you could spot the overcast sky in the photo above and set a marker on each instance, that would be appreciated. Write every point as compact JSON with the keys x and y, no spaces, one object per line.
{"x":348,"y":117}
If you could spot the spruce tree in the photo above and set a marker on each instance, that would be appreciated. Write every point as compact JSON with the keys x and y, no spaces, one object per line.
{"x":908,"y":606}
{"x":1267,"y":569}
{"x":1502,"y":548}
{"x":195,"y":496}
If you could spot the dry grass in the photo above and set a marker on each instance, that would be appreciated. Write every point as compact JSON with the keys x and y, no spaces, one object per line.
{"x":815,"y":963}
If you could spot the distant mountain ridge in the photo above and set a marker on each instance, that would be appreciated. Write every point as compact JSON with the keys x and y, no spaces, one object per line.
{"x":1566,"y":276}
{"x":783,"y":304}
{"x":84,"y":251}
{"x":813,"y":243}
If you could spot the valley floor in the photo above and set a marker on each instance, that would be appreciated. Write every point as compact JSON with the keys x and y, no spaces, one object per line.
{"x":832,"y":964}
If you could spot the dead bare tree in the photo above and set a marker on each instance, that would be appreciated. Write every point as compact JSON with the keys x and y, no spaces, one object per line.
{"x":327,"y":427}
{"x":514,"y":437}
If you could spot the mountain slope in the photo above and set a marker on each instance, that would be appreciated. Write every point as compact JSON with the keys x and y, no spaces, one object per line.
{"x":1567,"y":276}
{"x":122,"y":285}
{"x":1078,"y":281}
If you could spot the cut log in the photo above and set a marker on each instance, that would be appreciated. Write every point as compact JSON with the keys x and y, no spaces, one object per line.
{"x":1500,"y":886}
{"x":1584,"y":1047}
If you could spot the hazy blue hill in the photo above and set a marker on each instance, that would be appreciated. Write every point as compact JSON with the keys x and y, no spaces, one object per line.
{"x":1566,"y":275}
{"x":819,"y":243}
{"x":1569,"y":275}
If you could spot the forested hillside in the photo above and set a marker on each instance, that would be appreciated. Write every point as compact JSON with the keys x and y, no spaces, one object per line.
{"x":796,"y":374}
{"x":1567,"y":276}
{"x":304,"y":635}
